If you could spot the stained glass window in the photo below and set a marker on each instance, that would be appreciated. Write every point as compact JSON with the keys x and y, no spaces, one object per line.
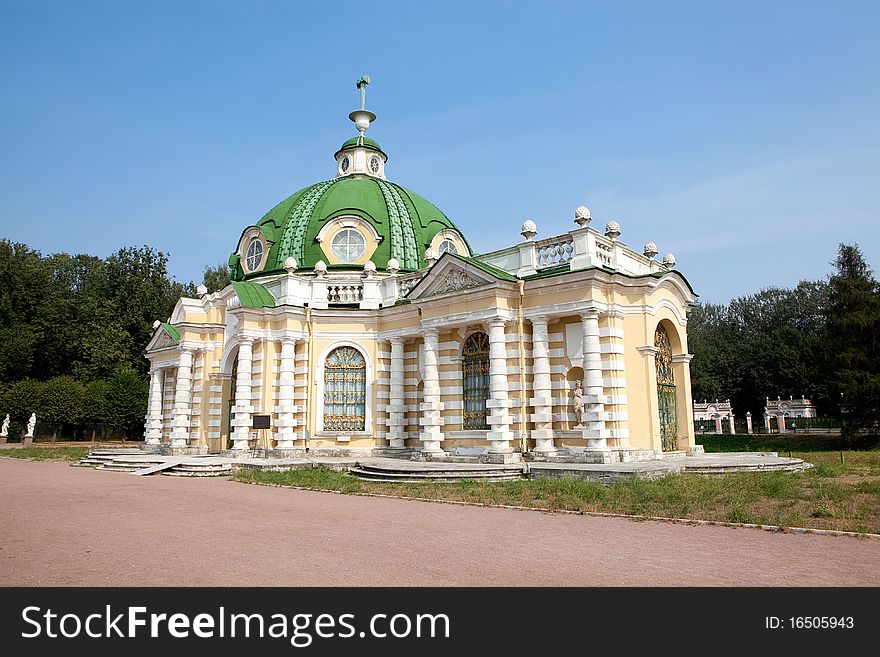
{"x":476,"y":380}
{"x":665,"y":390}
{"x":345,"y":390}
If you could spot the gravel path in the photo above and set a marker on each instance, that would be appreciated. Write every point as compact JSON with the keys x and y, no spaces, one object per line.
{"x":61,"y":525}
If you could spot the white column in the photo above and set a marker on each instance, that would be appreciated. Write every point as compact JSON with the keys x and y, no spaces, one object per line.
{"x":243,"y":407}
{"x":594,"y":408}
{"x":286,"y":407}
{"x":617,"y":373}
{"x":431,"y":406}
{"x":730,"y":422}
{"x":766,"y":422}
{"x":780,"y":423}
{"x":396,"y":404}
{"x":749,"y":422}
{"x":718,"y":428}
{"x":498,"y":416}
{"x":542,"y":402}
{"x":154,"y":412}
{"x":182,"y":399}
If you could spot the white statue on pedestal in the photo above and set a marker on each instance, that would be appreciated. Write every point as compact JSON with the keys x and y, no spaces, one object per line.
{"x":32,"y":423}
{"x":578,"y":404}
{"x":4,"y":429}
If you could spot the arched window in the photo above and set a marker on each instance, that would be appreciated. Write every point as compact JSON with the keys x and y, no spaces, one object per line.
{"x":447,"y":246}
{"x":665,"y":390}
{"x":476,"y":380}
{"x":345,"y":390}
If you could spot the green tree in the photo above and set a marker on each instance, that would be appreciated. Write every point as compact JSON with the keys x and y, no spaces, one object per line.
{"x":854,"y":323}
{"x":216,"y":278}
{"x":94,"y":403}
{"x":24,"y":287}
{"x":125,"y":400}
{"x":20,"y":399}
{"x":61,"y":400}
{"x":136,"y":283}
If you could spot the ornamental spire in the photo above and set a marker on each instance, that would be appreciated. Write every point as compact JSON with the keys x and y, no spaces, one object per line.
{"x":363,"y":117}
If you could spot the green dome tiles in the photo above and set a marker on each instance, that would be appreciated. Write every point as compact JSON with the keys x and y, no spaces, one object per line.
{"x":293,"y":237}
{"x":403,"y":237}
{"x":405,"y":222}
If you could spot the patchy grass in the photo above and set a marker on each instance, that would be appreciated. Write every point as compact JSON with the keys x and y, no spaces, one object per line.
{"x":834,"y":495}
{"x":39,"y":453}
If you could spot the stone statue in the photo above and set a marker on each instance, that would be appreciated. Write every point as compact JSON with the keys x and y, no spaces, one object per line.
{"x":578,"y":404}
{"x":32,"y":423}
{"x":4,"y":429}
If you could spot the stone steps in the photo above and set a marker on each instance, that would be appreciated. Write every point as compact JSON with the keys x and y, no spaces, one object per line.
{"x":199,"y":470}
{"x":100,"y":457}
{"x":129,"y":464}
{"x":372,"y":472}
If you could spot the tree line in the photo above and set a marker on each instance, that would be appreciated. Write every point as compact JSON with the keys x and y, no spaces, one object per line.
{"x":820,"y":339}
{"x":73,"y":329}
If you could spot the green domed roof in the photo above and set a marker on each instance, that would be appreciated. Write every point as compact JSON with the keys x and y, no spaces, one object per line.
{"x":405,"y":221}
{"x":360,"y":140}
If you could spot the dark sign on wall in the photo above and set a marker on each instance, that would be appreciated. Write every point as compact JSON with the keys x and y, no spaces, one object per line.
{"x":262,"y":421}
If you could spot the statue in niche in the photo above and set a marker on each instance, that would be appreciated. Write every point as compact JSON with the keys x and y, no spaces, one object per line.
{"x":578,"y":404}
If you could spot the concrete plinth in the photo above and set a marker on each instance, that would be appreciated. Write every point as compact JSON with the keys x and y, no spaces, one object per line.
{"x":174,"y":450}
{"x":500,"y":457}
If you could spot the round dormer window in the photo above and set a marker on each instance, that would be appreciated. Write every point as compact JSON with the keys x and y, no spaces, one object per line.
{"x":345,"y":164}
{"x":374,"y":164}
{"x":348,"y":245}
{"x":254,"y":256}
{"x":447,"y":246}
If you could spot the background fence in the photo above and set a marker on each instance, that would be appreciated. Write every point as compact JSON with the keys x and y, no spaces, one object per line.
{"x":802,"y":424}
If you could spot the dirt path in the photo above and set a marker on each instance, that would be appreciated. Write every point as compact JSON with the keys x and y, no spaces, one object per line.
{"x":61,"y":525}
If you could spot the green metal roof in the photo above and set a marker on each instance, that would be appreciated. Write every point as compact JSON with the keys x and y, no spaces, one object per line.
{"x":253,"y":295}
{"x":406,"y":223}
{"x":173,"y":332}
{"x":366,"y":142}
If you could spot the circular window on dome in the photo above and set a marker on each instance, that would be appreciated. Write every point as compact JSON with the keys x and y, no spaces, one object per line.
{"x":447,"y":246}
{"x":254,"y":255}
{"x":348,"y":245}
{"x":374,"y":164}
{"x":345,"y":164}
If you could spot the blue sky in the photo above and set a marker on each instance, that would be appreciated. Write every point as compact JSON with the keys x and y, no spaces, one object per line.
{"x":741,"y":136}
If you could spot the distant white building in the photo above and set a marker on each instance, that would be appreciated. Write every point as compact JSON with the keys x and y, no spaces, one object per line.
{"x":715,"y":412}
{"x":790,"y":407}
{"x":704,"y":411}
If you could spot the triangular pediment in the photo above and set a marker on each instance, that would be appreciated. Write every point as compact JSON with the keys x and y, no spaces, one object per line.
{"x":450,"y":274}
{"x":164,"y":338}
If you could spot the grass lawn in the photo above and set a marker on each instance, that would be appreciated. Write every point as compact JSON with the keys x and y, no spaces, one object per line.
{"x":39,"y":453}
{"x":833,"y":495}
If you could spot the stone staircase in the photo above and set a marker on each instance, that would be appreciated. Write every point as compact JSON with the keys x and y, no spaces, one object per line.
{"x":98,"y":457}
{"x":197,"y":469}
{"x":435,"y":472}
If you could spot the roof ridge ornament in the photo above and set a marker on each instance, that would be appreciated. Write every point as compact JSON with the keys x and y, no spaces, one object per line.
{"x":362,"y":118}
